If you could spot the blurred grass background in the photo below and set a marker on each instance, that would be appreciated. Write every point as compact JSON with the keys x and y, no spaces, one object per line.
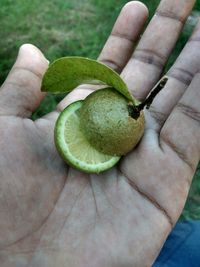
{"x":78,"y":27}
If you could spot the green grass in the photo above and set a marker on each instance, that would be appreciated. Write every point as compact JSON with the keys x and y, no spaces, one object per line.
{"x":61,"y":28}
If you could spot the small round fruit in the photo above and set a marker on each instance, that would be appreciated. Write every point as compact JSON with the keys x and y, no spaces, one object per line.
{"x":74,"y":147}
{"x":107,"y":124}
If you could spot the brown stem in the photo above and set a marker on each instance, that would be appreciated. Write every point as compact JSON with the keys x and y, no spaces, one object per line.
{"x":134,"y":111}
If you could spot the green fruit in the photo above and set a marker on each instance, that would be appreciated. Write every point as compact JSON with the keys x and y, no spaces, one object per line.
{"x":91,"y":135}
{"x":106,"y":122}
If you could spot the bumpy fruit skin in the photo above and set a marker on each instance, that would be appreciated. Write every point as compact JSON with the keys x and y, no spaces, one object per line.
{"x":106,"y":123}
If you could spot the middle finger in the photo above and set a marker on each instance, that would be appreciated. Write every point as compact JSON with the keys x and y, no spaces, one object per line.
{"x":145,"y":66}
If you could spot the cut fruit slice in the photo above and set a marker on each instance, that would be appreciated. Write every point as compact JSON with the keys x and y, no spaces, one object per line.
{"x":74,"y":147}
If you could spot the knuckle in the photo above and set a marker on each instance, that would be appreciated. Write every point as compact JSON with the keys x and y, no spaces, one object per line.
{"x":112,"y":64}
{"x":170,"y":15}
{"x":182,"y":75}
{"x":150,"y":57}
{"x":158,"y":116}
{"x":166,"y":141}
{"x":190,"y":112}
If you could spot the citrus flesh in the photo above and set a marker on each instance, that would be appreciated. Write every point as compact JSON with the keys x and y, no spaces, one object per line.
{"x":74,"y":147}
{"x":107,"y":124}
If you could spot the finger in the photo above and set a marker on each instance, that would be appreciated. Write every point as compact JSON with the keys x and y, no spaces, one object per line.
{"x":118,"y":47}
{"x":181,"y":132}
{"x":146,"y":65}
{"x":180,"y":76}
{"x":20,"y":94}
{"x":124,"y":35}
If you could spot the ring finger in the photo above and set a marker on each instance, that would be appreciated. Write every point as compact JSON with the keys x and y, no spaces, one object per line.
{"x":180,"y":76}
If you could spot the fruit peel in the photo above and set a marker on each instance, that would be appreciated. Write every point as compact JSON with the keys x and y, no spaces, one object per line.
{"x":106,"y":123}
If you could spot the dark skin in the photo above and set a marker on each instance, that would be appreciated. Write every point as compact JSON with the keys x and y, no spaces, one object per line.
{"x":54,"y":215}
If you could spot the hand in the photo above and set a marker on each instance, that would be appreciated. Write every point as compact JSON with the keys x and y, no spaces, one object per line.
{"x":53,"y":215}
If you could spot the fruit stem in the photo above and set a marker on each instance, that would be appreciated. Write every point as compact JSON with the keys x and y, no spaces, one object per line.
{"x":134,"y":111}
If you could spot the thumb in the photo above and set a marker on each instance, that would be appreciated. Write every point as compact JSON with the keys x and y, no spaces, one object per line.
{"x":20,"y":94}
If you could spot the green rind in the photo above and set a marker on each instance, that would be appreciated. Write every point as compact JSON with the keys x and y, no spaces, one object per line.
{"x":66,"y":73}
{"x":62,"y":148}
{"x":107,"y":125}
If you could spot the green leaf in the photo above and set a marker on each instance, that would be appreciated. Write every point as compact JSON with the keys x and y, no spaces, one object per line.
{"x":66,"y":73}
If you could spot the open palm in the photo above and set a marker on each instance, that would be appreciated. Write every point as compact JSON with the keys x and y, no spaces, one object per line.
{"x":53,"y":215}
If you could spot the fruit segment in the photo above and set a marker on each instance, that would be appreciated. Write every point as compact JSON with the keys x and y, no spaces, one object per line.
{"x":74,"y":147}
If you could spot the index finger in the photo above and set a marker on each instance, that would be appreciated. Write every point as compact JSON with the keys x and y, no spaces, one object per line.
{"x":146,"y":65}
